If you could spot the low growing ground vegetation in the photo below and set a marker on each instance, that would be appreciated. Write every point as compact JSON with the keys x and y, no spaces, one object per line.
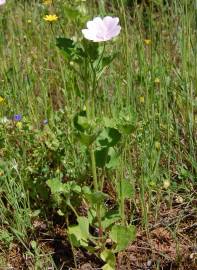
{"x":98,"y":135}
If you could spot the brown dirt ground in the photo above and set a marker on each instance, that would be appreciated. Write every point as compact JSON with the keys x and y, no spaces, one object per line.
{"x":171,"y":243}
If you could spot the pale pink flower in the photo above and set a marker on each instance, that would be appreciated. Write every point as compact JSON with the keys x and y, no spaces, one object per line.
{"x":99,"y":29}
{"x":2,"y":2}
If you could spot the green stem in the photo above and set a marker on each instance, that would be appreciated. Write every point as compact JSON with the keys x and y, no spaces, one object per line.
{"x":100,"y":233}
{"x":122,"y":205}
{"x":101,"y":57}
{"x":72,"y":247}
{"x":96,"y":188}
{"x":91,"y":115}
{"x":93,"y":164}
{"x":93,"y":98}
{"x":73,"y":209}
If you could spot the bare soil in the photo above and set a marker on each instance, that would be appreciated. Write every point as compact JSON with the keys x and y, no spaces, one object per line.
{"x":168,"y":243}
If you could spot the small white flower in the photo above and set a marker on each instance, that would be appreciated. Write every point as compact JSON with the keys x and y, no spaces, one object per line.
{"x":99,"y":29}
{"x":4,"y":120}
{"x":2,"y":2}
{"x":14,"y":165}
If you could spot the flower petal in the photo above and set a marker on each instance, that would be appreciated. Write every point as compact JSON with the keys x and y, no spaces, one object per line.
{"x":110,"y":22}
{"x":99,"y":29}
{"x":115,"y":32}
{"x":2,"y":2}
{"x":88,"y":34}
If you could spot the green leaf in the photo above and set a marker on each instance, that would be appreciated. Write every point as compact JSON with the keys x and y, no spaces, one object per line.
{"x":81,"y":121}
{"x":86,"y":190}
{"x":33,"y":244}
{"x":79,"y":234}
{"x":35,"y":213}
{"x":70,"y":49}
{"x":122,"y":236}
{"x":125,"y":189}
{"x":106,"y":156}
{"x":84,"y":226}
{"x":127,"y":122}
{"x":109,"y":122}
{"x":110,"y":218}
{"x":67,"y":45}
{"x":92,"y":50}
{"x":106,"y":61}
{"x":113,"y":158}
{"x":108,"y":137}
{"x":51,"y":140}
{"x":108,"y":267}
{"x":71,"y":13}
{"x":60,"y":213}
{"x":101,"y":156}
{"x":74,"y":187}
{"x":76,"y":236}
{"x":84,"y":127}
{"x":126,"y":128}
{"x":110,"y":259}
{"x":55,"y":185}
{"x":85,"y":139}
{"x":97,"y":197}
{"x":91,"y":215}
{"x":101,"y":64}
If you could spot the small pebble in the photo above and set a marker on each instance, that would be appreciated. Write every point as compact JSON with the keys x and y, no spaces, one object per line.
{"x":149,"y":263}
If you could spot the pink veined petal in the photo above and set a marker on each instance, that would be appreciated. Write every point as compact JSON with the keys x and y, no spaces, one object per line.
{"x":97,"y":39}
{"x":91,"y":36}
{"x":113,"y":29}
{"x":95,"y":24}
{"x":2,"y":2}
{"x":98,"y":20}
{"x":115,"y":32}
{"x":88,"y":34}
{"x":110,"y":22}
{"x":91,"y":25}
{"x":99,"y":29}
{"x":101,"y":35}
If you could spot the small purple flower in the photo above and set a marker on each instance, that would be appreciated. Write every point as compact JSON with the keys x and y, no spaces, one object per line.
{"x":17,"y":117}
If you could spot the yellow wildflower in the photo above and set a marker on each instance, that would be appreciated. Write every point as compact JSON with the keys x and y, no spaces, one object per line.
{"x":51,"y":18}
{"x":166,"y":184}
{"x":19,"y":125}
{"x":47,"y":2}
{"x":2,"y":100}
{"x":157,"y":145}
{"x":29,"y":21}
{"x":157,"y":80}
{"x":147,"y":41}
{"x":141,"y":99}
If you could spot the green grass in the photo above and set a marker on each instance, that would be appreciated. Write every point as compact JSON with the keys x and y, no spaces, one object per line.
{"x":154,"y":84}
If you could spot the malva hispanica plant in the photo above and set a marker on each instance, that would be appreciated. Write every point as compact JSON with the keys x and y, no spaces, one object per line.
{"x":100,"y":136}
